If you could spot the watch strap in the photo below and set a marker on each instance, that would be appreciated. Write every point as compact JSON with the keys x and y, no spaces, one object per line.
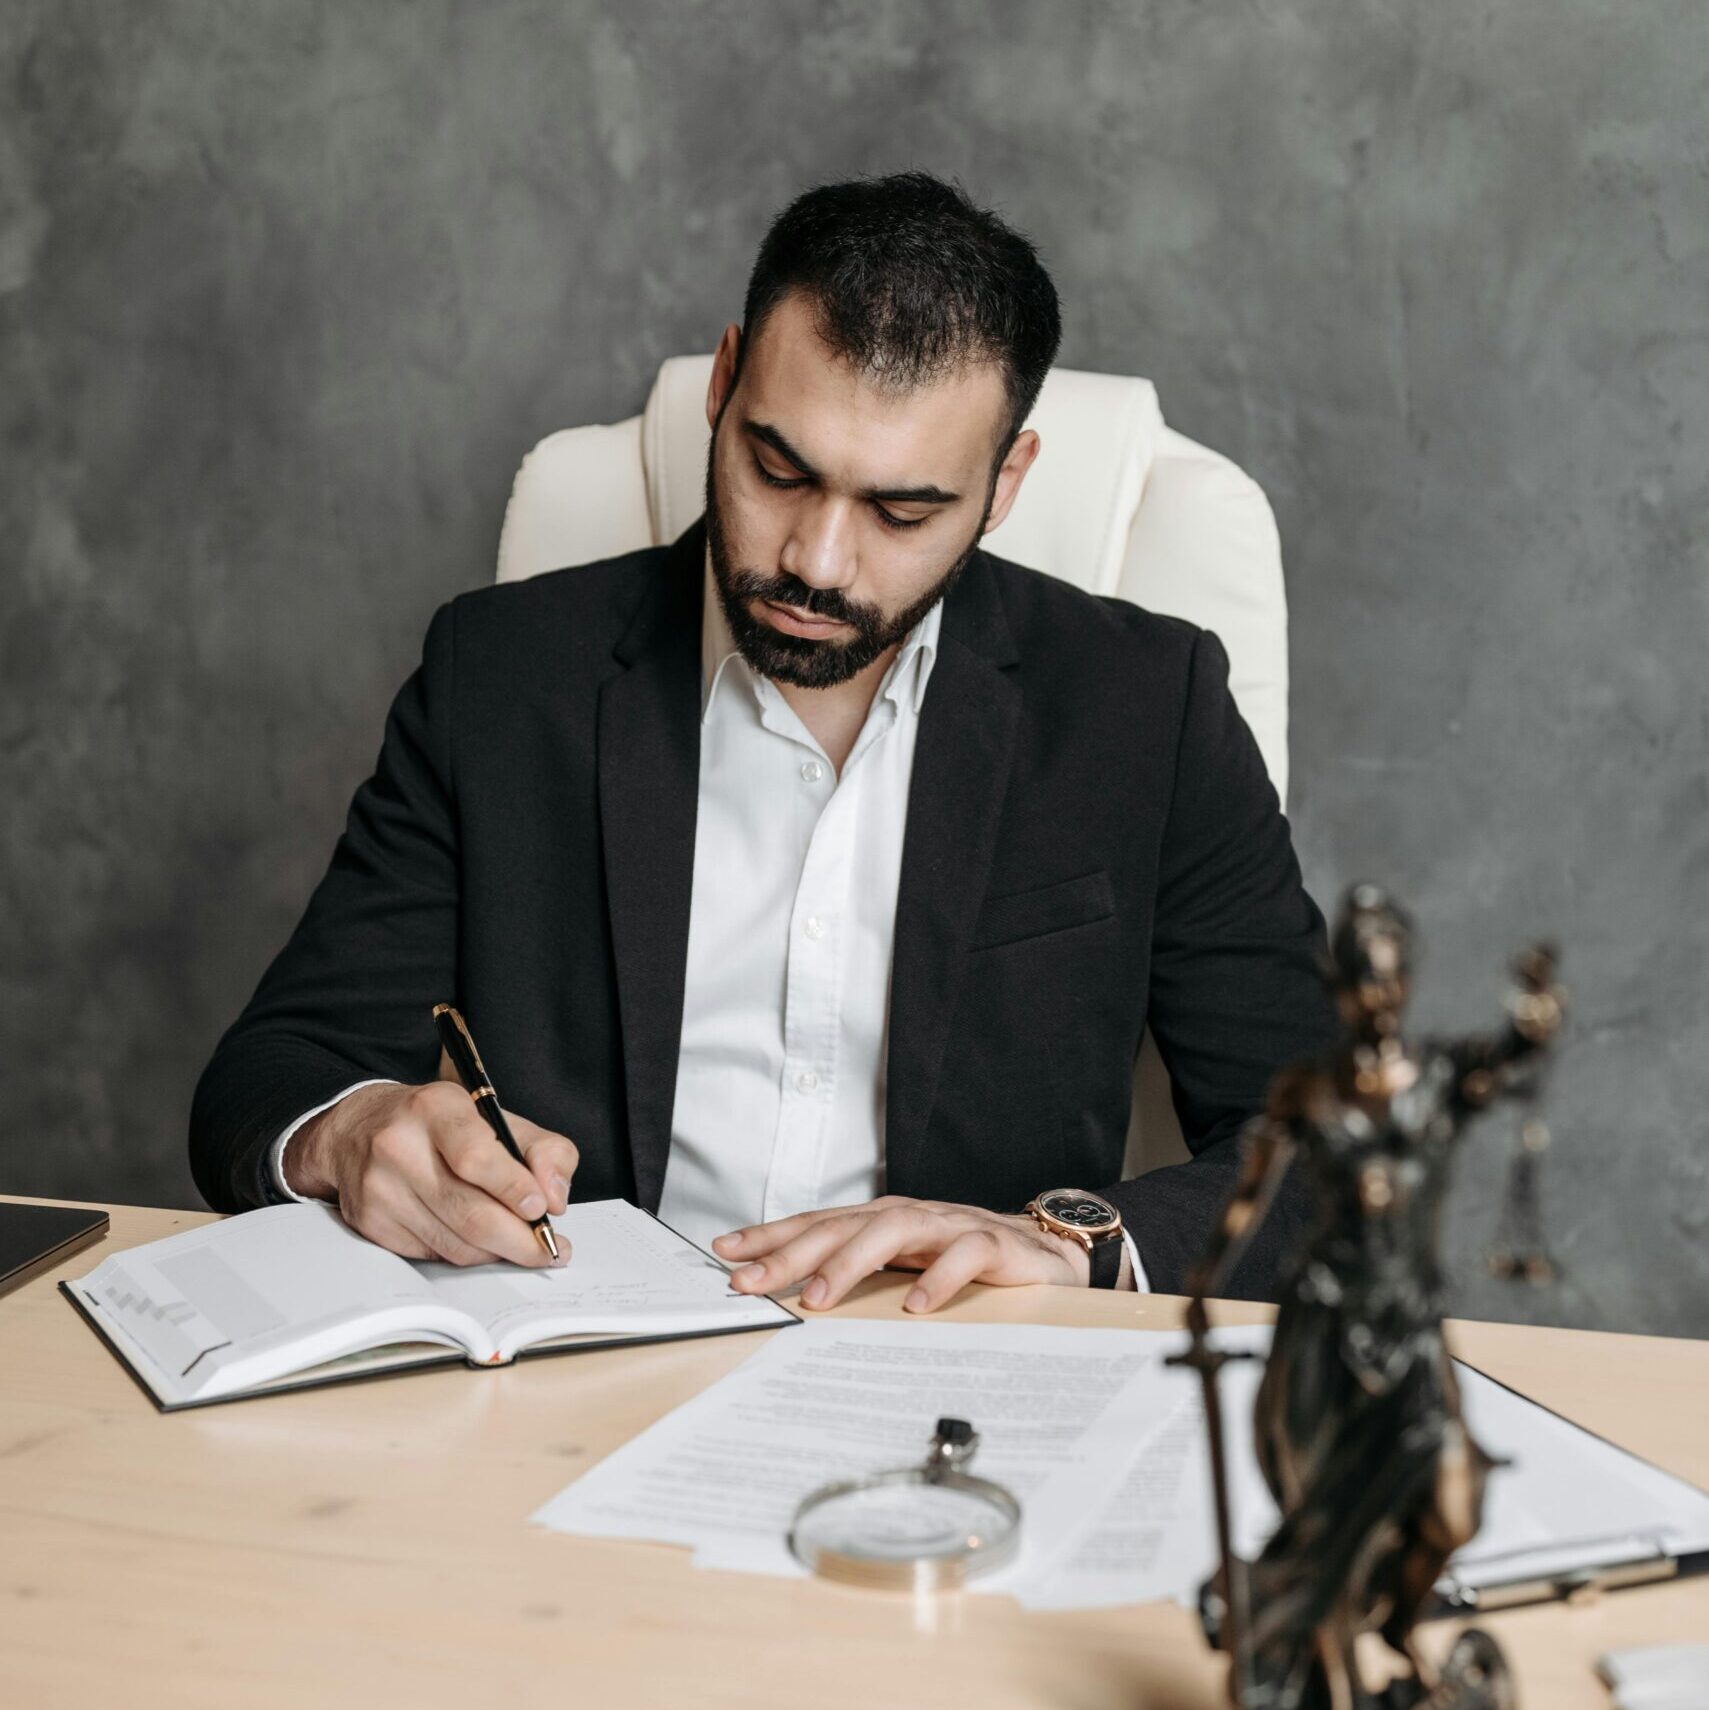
{"x":1105,"y":1260}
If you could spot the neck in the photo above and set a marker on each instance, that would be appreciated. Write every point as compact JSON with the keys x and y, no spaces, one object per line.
{"x":835,"y":715}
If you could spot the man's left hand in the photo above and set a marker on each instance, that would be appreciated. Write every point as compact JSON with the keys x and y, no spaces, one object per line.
{"x":951,"y":1244}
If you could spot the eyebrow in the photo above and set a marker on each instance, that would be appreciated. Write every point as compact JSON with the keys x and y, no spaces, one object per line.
{"x":927,"y":495}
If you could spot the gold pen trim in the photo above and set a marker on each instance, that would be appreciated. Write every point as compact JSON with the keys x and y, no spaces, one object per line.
{"x":462,"y":1027}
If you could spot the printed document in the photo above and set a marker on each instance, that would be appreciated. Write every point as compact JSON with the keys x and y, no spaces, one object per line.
{"x":1103,"y":1444}
{"x":840,"y":1398}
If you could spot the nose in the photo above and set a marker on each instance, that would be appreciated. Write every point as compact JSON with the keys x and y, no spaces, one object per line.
{"x":819,"y":549}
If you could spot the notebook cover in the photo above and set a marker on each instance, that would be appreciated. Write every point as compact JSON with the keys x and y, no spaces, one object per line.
{"x":34,"y":1238}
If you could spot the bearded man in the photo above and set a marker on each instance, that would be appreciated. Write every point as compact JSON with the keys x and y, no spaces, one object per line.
{"x":809,"y":881}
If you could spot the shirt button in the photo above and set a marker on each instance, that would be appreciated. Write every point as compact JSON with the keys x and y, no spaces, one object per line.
{"x":813,"y":926}
{"x":807,"y":1080}
{"x":812,"y":771}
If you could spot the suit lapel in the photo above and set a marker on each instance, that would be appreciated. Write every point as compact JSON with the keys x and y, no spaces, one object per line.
{"x":962,"y":754}
{"x":649,"y":777}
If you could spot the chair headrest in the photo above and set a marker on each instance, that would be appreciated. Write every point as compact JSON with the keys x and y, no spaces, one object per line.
{"x":1098,"y":434}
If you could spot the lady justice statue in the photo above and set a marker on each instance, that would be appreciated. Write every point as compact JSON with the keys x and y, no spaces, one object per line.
{"x":1358,"y":1426}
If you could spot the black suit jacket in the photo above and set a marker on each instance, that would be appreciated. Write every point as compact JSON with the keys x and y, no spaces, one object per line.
{"x":1092,"y":842}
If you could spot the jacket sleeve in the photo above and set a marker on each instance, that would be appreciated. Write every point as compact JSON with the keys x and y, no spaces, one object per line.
{"x":350,"y":996}
{"x":1236,"y":990}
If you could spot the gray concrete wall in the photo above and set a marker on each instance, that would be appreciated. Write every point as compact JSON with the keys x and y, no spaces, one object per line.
{"x":287,"y":289}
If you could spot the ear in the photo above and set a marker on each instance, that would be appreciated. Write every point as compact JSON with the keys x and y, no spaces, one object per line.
{"x":1010,"y":474}
{"x":723,"y":372}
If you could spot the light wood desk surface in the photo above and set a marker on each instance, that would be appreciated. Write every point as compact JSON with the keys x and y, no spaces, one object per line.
{"x":367,"y":1544}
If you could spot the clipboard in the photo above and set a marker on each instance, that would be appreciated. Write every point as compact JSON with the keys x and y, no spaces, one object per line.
{"x":1570,"y":1568}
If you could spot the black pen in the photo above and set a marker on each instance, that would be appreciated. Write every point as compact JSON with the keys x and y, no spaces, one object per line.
{"x":472,"y":1072}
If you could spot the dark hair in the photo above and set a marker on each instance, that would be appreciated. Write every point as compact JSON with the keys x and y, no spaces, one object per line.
{"x":908,"y":279}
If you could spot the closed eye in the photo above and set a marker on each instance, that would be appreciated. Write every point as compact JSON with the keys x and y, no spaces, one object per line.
{"x":772,"y":481}
{"x":883,"y":515}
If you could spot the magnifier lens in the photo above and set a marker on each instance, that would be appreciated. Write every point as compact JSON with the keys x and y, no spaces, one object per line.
{"x":924,"y":1528}
{"x":902,"y":1523}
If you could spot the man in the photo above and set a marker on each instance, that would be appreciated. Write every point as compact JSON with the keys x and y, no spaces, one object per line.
{"x":811,"y":880}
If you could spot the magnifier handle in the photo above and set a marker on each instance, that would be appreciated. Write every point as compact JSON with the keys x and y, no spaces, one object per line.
{"x":953,"y":1445}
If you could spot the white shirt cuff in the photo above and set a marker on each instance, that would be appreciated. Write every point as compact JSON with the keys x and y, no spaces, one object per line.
{"x":276,"y":1157}
{"x":1141,"y":1282}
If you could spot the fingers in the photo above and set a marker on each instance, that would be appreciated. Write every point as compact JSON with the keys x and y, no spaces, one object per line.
{"x":483,"y":1222}
{"x":395,"y":1238}
{"x":552,"y":1160}
{"x":951,"y":1245}
{"x":422,"y":1230}
{"x":789,"y":1261}
{"x":758,"y":1239}
{"x":473,"y":1153}
{"x":883,"y":1237}
{"x":433,"y":1175}
{"x":964,"y":1260}
{"x":387,"y":1211}
{"x":836,"y":1249}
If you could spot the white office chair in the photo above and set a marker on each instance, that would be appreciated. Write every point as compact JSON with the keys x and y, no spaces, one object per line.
{"x":1117,"y":503}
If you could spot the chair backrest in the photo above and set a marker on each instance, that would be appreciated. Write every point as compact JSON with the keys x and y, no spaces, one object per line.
{"x":1117,"y":503}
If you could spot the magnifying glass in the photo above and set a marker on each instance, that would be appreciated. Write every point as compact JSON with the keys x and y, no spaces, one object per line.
{"x":929,"y":1527}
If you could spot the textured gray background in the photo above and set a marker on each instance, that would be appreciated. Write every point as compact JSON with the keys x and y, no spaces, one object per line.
{"x":286,"y":290}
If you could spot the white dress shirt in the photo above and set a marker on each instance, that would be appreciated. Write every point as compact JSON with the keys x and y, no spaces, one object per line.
{"x":781,"y":1077}
{"x":781,"y":1082}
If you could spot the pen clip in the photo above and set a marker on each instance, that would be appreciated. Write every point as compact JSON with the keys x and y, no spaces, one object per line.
{"x":447,"y":1011}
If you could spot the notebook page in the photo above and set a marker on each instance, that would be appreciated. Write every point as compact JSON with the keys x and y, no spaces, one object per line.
{"x":255,"y":1296}
{"x":627,"y":1272}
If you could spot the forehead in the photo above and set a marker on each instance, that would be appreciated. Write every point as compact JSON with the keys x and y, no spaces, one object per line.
{"x":855,"y":428}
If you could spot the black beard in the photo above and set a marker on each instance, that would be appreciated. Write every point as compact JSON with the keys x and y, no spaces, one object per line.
{"x":799,"y":659}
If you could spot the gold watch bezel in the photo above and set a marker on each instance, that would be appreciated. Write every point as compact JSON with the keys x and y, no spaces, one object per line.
{"x":1088,"y":1238}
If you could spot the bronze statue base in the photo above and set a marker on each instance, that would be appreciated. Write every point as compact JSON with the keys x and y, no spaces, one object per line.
{"x":1475,"y":1676}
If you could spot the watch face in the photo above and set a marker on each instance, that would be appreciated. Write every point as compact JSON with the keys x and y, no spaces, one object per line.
{"x":1078,"y":1209}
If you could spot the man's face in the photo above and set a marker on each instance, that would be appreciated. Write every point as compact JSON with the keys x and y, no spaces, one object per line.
{"x":838,"y":513}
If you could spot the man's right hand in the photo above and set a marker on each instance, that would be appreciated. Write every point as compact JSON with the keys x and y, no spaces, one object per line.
{"x":418,"y":1171}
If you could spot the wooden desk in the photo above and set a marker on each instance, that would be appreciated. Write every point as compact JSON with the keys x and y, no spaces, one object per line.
{"x":368,"y":1544}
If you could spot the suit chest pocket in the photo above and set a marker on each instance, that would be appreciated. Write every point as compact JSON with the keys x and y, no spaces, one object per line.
{"x":1022,"y":915}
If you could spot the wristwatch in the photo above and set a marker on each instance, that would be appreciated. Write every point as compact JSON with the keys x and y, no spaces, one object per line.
{"x":1079,"y":1216}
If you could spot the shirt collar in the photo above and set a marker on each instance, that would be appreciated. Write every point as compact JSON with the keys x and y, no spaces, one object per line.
{"x":908,"y":672}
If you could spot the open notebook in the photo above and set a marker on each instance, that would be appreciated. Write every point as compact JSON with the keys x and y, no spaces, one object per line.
{"x":290,"y":1296}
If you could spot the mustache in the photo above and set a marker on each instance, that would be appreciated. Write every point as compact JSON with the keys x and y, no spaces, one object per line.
{"x":787,"y":590}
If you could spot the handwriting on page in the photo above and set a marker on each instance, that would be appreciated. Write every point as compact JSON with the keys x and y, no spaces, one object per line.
{"x":622,"y":1262}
